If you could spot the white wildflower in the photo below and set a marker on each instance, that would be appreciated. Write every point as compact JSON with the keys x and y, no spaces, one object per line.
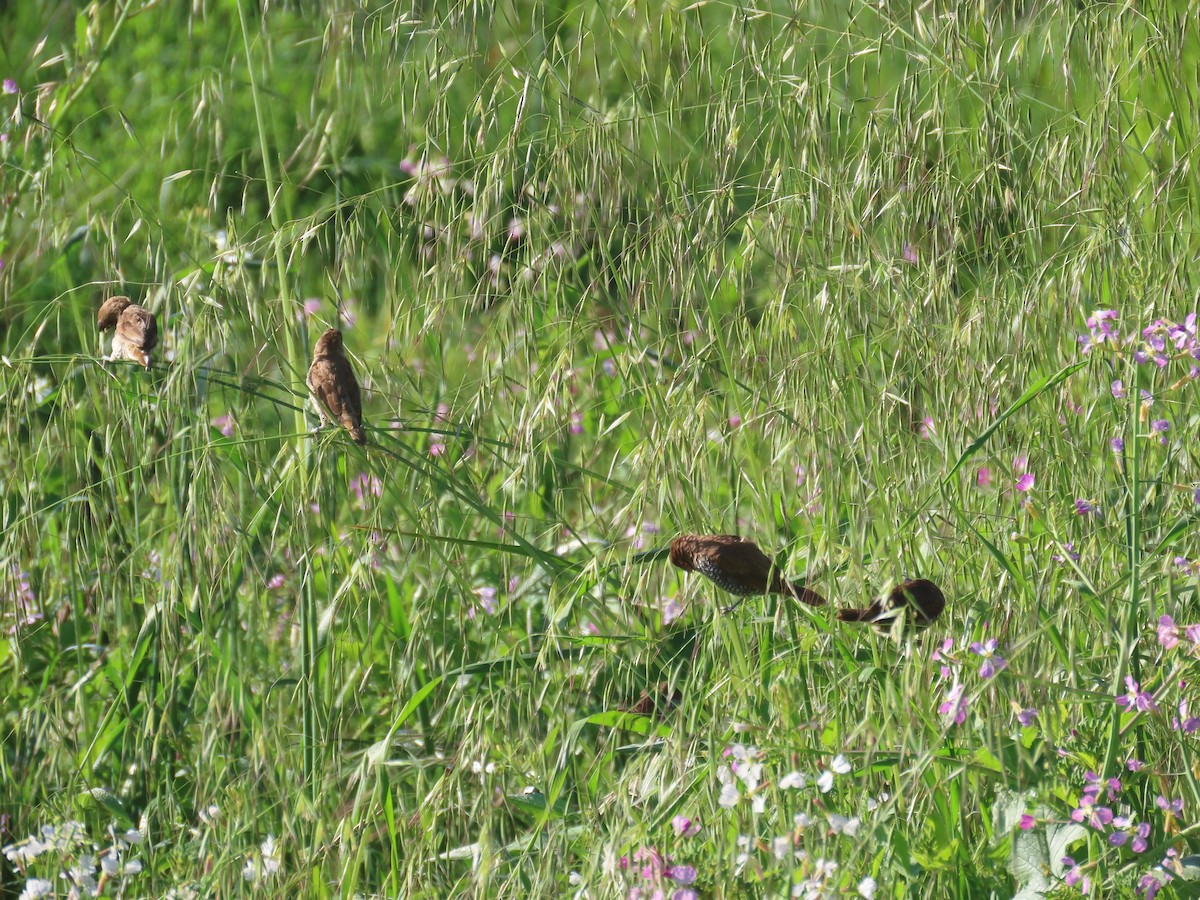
{"x":729,"y":792}
{"x":270,"y":854}
{"x":743,"y":847}
{"x":24,"y":852}
{"x":267,"y":865}
{"x":749,"y":773}
{"x":842,"y":825}
{"x":793,"y":780}
{"x":729,"y":796}
{"x":35,"y":888}
{"x":82,"y":877}
{"x":825,"y":868}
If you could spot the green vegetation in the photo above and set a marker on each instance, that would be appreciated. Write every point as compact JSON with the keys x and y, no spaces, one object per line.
{"x":812,"y":273}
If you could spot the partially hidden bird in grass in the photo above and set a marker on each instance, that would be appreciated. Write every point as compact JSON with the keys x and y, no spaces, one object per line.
{"x":136,"y":330}
{"x":334,"y":387}
{"x":918,"y":600}
{"x":736,"y":565}
{"x":656,"y":701}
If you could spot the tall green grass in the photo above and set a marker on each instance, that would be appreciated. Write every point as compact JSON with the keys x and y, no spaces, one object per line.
{"x":813,"y":274}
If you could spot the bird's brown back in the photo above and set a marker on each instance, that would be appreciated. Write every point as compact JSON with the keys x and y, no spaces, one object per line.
{"x":735,"y":565}
{"x":134,"y":323}
{"x":735,"y":554}
{"x":138,"y":327}
{"x":332,"y":382}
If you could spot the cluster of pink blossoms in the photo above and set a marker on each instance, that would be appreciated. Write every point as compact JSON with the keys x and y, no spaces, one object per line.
{"x":1159,"y":342}
{"x":1095,"y":810}
{"x":954,"y":707}
{"x":1170,"y":634}
{"x":656,"y":874}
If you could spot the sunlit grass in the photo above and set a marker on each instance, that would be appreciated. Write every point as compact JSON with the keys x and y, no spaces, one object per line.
{"x":815,"y":276}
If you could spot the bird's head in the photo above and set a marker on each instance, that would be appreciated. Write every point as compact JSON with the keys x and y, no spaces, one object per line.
{"x":329,"y":344}
{"x":923,"y":596}
{"x":110,"y":311}
{"x":681,"y":553}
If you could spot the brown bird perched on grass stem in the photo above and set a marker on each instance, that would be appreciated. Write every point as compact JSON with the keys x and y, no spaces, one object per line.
{"x":334,"y":386}
{"x":918,"y":600}
{"x":736,"y":565}
{"x":136,"y":331}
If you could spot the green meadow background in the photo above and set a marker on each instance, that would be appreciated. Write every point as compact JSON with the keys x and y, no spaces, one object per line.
{"x":810,"y":272}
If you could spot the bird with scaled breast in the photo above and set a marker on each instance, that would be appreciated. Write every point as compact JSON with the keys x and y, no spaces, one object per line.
{"x":736,"y":565}
{"x":135,"y":331}
{"x":334,"y":387}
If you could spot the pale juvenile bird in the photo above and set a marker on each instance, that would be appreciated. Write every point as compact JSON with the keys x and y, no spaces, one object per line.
{"x":918,"y":600}
{"x":736,"y":565}
{"x":136,"y":331}
{"x":334,"y":386}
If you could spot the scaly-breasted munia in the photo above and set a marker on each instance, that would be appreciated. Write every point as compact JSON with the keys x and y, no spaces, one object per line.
{"x":334,"y":386}
{"x":136,"y":330}
{"x":918,"y":600}
{"x":656,"y":701}
{"x":736,"y":565}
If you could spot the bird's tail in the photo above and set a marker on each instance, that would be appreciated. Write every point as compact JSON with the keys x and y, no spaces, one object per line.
{"x":804,"y":594}
{"x":355,"y":428}
{"x":866,"y":614}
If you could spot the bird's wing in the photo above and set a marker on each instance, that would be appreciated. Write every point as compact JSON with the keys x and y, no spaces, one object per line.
{"x":739,"y":557}
{"x":351,"y":396}
{"x":334,"y":385}
{"x":322,"y":381}
{"x":138,"y":327}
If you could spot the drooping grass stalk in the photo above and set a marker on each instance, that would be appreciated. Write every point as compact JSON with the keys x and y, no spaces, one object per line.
{"x":309,"y":690}
{"x":93,"y":66}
